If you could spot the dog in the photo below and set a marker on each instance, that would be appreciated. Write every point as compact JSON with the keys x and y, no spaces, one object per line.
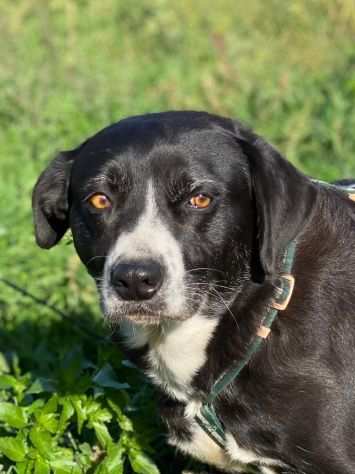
{"x":183,"y":219}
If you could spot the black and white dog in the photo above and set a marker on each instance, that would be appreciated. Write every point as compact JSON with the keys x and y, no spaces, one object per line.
{"x":183,"y":218}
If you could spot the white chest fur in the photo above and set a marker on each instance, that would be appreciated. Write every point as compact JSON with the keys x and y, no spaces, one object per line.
{"x":175,"y":355}
{"x":176,"y":352}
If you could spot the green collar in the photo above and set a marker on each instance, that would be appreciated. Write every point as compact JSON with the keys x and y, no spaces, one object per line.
{"x":207,"y":417}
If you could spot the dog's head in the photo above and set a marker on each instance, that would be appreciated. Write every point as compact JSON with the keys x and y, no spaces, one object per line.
{"x":172,"y":213}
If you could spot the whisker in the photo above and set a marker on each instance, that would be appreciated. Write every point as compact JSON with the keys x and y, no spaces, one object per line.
{"x":205,"y":268}
{"x":227,"y":306}
{"x":93,"y":258}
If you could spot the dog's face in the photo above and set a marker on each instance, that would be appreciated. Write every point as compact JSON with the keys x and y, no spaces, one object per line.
{"x":167,"y":213}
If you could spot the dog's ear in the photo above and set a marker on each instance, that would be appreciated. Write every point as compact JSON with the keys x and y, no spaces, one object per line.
{"x":284,"y":198}
{"x":50,"y":200}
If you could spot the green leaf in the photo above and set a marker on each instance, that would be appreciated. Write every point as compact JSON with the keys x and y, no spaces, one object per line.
{"x":123,"y":420}
{"x":79,"y":406}
{"x":4,"y":366}
{"x":63,"y":466}
{"x":114,"y":460}
{"x":63,"y":463}
{"x":85,"y":454}
{"x":141,"y":463}
{"x":42,"y":441}
{"x":17,"y":384}
{"x":67,"y":413}
{"x":25,"y":467}
{"x":41,"y":466}
{"x":90,"y":411}
{"x":51,"y":405}
{"x":102,"y":434}
{"x":101,"y":415}
{"x":47,"y":417}
{"x":106,"y":377}
{"x":7,"y":381}
{"x":49,"y":421}
{"x":35,"y":406}
{"x":42,"y":385}
{"x":13,"y":448}
{"x":15,"y":362}
{"x":13,"y":415}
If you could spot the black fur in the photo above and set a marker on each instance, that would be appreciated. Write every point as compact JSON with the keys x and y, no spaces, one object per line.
{"x":295,"y":401}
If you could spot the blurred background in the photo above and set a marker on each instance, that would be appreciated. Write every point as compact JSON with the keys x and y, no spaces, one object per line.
{"x":69,"y":401}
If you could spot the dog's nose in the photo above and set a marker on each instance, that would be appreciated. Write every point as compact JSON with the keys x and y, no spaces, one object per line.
{"x":137,"y":280}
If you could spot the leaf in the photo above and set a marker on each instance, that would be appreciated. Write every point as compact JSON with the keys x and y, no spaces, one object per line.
{"x":7,"y":381}
{"x":62,"y":462}
{"x":123,"y":420}
{"x":13,"y":415}
{"x":17,"y":384}
{"x":84,"y":456}
{"x":102,"y":434}
{"x":129,"y":364}
{"x":49,"y":421}
{"x":42,"y":441}
{"x":101,"y":415}
{"x":15,"y":362}
{"x":24,"y":467}
{"x":141,"y":463}
{"x":42,"y":385}
{"x":78,"y":404}
{"x":13,"y":448}
{"x":41,"y":466}
{"x":64,"y":466}
{"x":4,"y":366}
{"x":35,"y":406}
{"x":67,"y":413}
{"x":114,"y":460}
{"x":51,"y":405}
{"x":106,"y":377}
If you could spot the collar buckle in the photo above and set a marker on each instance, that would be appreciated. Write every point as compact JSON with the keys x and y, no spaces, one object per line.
{"x":284,"y":292}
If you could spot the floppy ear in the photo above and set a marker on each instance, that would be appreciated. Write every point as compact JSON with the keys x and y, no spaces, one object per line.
{"x":50,"y":200}
{"x":284,"y":198}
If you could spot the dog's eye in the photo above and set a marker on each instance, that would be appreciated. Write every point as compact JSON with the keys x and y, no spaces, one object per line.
{"x":99,"y":201}
{"x":200,"y":201}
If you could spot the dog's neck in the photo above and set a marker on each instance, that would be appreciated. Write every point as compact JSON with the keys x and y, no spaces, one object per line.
{"x":174,"y":352}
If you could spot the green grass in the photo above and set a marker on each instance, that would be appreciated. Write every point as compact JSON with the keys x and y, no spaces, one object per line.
{"x":71,"y":67}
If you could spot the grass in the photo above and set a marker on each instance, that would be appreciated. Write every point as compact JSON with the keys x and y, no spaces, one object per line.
{"x":71,"y":67}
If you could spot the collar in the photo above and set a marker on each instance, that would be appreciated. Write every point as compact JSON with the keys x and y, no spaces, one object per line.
{"x":207,"y":417}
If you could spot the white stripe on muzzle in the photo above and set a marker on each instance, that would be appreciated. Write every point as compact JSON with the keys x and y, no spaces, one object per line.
{"x":150,"y":240}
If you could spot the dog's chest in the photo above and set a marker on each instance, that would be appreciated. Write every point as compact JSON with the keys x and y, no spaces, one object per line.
{"x":231,"y":458}
{"x":174,"y":357}
{"x":175,"y":353}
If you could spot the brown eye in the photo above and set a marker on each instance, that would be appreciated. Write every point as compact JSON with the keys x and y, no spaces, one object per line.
{"x":99,"y":201}
{"x":200,"y":201}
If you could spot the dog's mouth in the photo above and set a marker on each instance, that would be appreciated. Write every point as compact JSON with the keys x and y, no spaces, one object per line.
{"x":144,"y":319}
{"x":139,"y":313}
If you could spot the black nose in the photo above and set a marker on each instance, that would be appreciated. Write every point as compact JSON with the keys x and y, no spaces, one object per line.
{"x":137,"y":280}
